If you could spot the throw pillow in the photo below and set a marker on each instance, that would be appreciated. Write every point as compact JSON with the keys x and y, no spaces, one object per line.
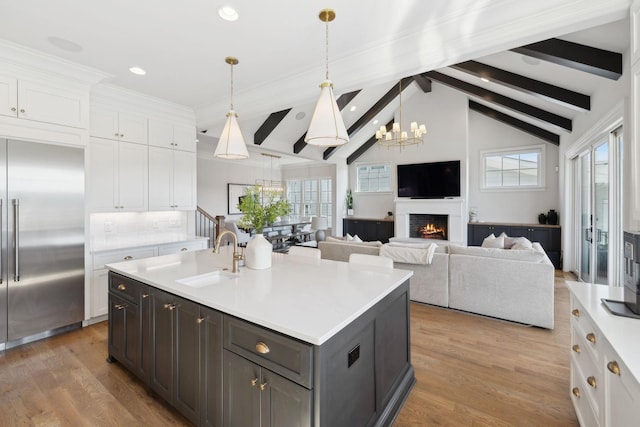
{"x":522,"y":243}
{"x":493,"y":242}
{"x":357,"y":239}
{"x":348,"y":237}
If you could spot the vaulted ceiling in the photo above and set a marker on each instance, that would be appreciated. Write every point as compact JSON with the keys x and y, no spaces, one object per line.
{"x":372,"y":45}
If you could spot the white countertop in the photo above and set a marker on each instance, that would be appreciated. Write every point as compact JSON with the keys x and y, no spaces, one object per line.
{"x":622,"y":333}
{"x":141,"y":242}
{"x":299,"y":296}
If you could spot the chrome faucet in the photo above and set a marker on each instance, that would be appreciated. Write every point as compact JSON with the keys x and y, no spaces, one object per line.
{"x":237,"y":256}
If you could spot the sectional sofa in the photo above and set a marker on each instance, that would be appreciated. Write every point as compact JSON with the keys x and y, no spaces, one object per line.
{"x":510,"y":284}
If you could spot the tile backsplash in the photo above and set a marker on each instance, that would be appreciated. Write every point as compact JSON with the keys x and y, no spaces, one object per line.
{"x":130,"y":228}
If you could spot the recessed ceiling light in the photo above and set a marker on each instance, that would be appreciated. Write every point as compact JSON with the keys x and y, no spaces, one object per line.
{"x":300,"y":115}
{"x":353,"y":108}
{"x":228,"y":13}
{"x":375,"y":122}
{"x":64,"y":44}
{"x":137,"y":70}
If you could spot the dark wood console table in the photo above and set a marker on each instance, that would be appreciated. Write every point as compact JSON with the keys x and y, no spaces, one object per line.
{"x":369,"y":229}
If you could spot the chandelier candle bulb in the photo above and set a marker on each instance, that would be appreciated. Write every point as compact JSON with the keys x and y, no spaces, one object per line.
{"x":414,"y":126}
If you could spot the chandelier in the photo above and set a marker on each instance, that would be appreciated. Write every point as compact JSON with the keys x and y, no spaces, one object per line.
{"x":269,"y":185}
{"x":396,"y":137}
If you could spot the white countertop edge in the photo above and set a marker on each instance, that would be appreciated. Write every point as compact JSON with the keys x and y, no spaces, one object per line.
{"x":622,"y":333}
{"x":293,"y":328}
{"x":104,"y":248}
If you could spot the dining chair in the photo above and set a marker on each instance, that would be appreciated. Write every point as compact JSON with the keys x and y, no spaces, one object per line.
{"x":304,"y":251}
{"x":373,"y":260}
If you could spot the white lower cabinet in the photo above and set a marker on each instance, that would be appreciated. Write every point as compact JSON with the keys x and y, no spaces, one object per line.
{"x":172,"y":179}
{"x":604,"y":392}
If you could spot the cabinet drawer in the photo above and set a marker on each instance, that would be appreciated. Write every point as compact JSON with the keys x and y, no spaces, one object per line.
{"x":124,"y":287}
{"x":100,"y":260}
{"x":175,"y":248}
{"x":585,"y":334}
{"x":589,"y":379}
{"x":581,"y":404}
{"x":286,"y":356}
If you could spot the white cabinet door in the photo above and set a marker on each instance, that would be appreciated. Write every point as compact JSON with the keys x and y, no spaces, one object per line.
{"x":622,"y":392}
{"x":160,"y":133}
{"x":123,"y":126}
{"x":103,"y":175}
{"x":132,"y":127}
{"x":132,"y":176}
{"x":160,"y":178}
{"x":50,"y":104}
{"x":184,"y":137}
{"x":103,"y":123}
{"x":8,"y":96}
{"x":100,"y":292}
{"x":184,"y":180}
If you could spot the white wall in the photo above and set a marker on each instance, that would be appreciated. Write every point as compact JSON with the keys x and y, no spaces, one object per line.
{"x":519,"y":206}
{"x":215,"y":174}
{"x":444,"y":112}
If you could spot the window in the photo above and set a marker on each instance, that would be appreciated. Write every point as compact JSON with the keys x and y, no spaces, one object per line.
{"x":520,"y":168}
{"x":310,"y":197}
{"x":374,"y":178}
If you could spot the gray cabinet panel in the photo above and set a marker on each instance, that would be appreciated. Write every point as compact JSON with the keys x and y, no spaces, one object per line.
{"x":241,"y":391}
{"x":162,"y":325}
{"x":283,"y":402}
{"x":211,"y":367}
{"x":186,"y":396}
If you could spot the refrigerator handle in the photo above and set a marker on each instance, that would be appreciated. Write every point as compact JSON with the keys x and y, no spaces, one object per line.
{"x":16,"y":239}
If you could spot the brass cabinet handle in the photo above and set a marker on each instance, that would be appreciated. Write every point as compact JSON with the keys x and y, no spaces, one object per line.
{"x":121,"y":287}
{"x":263,"y":386}
{"x":183,"y":249}
{"x":169,"y":306}
{"x":22,"y":110}
{"x":13,"y":108}
{"x":116,"y":134}
{"x":576,"y":391}
{"x":253,"y":382}
{"x":575,"y":312}
{"x":128,"y":257}
{"x":576,"y":348}
{"x":120,"y":306}
{"x":613,"y":367}
{"x":262,"y":348}
{"x":592,"y":382}
{"x":199,"y":320}
{"x":144,"y":296}
{"x":591,"y":337}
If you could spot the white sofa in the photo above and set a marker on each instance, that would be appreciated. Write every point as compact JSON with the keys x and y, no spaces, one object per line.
{"x":516,"y":285}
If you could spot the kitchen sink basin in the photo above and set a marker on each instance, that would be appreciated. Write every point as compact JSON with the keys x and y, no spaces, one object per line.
{"x":206,"y":279}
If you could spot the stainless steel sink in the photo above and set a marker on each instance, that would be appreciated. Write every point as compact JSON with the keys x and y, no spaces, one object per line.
{"x":206,"y":279}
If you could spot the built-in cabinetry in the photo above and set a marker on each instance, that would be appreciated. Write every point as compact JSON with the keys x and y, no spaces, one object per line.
{"x":46,"y":102}
{"x":100,"y":275}
{"x":634,"y":18}
{"x":604,"y":388}
{"x":549,"y":236}
{"x":142,"y":154}
{"x":118,"y":176}
{"x":369,"y":229}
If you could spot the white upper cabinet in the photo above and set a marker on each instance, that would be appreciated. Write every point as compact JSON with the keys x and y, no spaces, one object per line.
{"x":118,"y":176}
{"x":172,"y":179}
{"x":172,"y":135}
{"x":43,"y":102}
{"x":119,"y":125}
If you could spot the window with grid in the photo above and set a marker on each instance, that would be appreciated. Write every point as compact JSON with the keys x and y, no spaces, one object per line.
{"x":374,"y":178}
{"x":310,"y":197}
{"x":521,"y":168}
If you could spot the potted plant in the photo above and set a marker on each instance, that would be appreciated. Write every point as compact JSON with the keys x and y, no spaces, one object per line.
{"x":349,"y":202}
{"x":260,"y":208}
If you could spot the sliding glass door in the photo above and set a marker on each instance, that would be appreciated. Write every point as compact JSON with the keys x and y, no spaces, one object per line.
{"x":599,"y":178}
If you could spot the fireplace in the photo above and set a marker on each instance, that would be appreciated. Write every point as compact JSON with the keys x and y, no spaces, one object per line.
{"x":429,"y":226}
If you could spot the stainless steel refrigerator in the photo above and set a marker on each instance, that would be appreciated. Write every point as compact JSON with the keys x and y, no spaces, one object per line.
{"x":42,"y":240}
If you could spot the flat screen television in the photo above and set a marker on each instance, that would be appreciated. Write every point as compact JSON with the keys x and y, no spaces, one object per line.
{"x":436,"y":180}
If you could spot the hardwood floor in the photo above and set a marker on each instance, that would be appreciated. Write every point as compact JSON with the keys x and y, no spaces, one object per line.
{"x":470,"y":370}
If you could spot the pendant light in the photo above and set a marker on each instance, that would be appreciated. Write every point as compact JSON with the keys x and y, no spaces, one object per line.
{"x":327,"y":127}
{"x":231,"y":143}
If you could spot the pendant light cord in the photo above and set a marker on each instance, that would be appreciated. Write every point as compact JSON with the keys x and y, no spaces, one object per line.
{"x":231,"y":86}
{"x":400,"y":85}
{"x":326,"y":22}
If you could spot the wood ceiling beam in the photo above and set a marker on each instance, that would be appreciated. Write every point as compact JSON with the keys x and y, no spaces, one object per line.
{"x":600,"y":62}
{"x":423,"y":82}
{"x":268,"y":126}
{"x":516,"y":123}
{"x":556,"y":94}
{"x":364,"y":147}
{"x":372,"y":112}
{"x":496,"y":98}
{"x":342,"y":102}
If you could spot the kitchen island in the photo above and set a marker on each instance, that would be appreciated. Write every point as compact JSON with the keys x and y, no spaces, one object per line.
{"x":307,"y":342}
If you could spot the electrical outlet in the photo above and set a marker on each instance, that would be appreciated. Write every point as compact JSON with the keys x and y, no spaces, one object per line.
{"x":108,"y":227}
{"x":174,"y":223}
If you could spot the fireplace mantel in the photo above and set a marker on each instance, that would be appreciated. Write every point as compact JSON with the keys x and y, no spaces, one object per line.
{"x":453,"y":207}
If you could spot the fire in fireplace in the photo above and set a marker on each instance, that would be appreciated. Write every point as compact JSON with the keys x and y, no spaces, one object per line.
{"x":429,"y":226}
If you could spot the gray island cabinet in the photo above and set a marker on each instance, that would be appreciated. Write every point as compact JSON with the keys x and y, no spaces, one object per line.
{"x":305,"y":343}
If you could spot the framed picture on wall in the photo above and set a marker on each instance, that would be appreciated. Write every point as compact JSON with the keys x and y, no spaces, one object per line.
{"x":234,"y":193}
